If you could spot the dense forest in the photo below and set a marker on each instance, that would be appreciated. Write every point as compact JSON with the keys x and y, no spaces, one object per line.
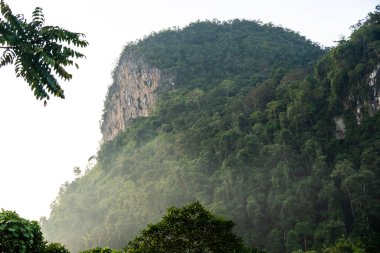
{"x":263,"y":127}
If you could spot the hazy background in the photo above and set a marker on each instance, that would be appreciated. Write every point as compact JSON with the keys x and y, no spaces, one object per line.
{"x":40,"y":146}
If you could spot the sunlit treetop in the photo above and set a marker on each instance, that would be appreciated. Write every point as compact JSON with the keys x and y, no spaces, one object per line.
{"x":39,"y":53}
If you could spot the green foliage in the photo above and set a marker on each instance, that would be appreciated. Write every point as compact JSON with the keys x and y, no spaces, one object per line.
{"x":18,"y":235}
{"x":40,"y":53}
{"x":248,"y":130}
{"x":100,"y":250}
{"x":188,"y":229}
{"x":345,"y":245}
{"x":229,"y":54}
{"x":55,"y":247}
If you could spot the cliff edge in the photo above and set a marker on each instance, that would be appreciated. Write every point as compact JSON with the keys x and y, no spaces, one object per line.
{"x":132,"y":94}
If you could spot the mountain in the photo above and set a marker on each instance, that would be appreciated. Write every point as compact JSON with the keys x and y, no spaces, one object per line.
{"x":254,"y":121}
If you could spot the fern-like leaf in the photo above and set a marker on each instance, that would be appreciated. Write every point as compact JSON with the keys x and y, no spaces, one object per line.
{"x":39,"y":53}
{"x":7,"y":58}
{"x":38,"y":18}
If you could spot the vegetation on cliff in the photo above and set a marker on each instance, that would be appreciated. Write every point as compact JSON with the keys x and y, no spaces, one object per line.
{"x":250,"y":131}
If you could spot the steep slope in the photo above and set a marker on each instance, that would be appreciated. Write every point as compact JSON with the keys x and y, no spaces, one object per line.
{"x":251,"y":129}
{"x":203,"y":54}
{"x":132,"y":93}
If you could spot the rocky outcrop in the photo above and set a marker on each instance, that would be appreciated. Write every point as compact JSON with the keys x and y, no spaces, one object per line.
{"x":373,"y":83}
{"x":340,"y":128}
{"x":369,"y":103}
{"x":132,"y":94}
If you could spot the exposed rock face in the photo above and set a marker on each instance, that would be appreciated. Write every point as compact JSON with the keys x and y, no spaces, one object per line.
{"x":370,"y":104}
{"x":375,"y":99}
{"x":340,"y":128}
{"x":372,"y":101}
{"x":131,"y":95}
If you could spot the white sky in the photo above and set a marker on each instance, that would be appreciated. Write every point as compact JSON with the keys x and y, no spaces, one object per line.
{"x":39,"y":146}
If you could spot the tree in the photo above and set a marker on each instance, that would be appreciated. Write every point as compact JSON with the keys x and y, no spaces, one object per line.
{"x":18,"y":235}
{"x":345,"y":245}
{"x":100,"y":250}
{"x":37,"y":51}
{"x":55,"y":247}
{"x":188,"y":229}
{"x":357,"y":185}
{"x":77,"y":171}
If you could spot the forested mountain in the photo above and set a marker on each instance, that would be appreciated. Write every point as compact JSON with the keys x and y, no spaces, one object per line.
{"x":261,"y":126}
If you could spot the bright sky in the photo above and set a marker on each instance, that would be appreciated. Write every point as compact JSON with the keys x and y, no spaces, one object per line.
{"x":40,"y":146}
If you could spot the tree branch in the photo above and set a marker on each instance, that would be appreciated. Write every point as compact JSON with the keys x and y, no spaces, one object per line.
{"x":6,"y":47}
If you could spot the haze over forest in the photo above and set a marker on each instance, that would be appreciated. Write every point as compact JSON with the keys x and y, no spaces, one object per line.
{"x":254,"y":121}
{"x":74,"y":120}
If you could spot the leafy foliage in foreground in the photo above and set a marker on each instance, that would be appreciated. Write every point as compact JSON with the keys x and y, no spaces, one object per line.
{"x":100,"y":250}
{"x":39,"y":53}
{"x":189,"y":229}
{"x":18,"y":235}
{"x":55,"y":247}
{"x":259,"y":147}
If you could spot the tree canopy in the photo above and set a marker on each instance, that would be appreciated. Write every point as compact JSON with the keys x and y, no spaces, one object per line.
{"x":190,"y":229}
{"x":39,"y":53}
{"x":19,"y":235}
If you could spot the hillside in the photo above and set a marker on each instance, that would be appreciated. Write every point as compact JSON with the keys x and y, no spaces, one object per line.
{"x":254,"y":121}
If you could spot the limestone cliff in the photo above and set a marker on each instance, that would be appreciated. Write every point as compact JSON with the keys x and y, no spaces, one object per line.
{"x":370,"y":103}
{"x":132,"y":94}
